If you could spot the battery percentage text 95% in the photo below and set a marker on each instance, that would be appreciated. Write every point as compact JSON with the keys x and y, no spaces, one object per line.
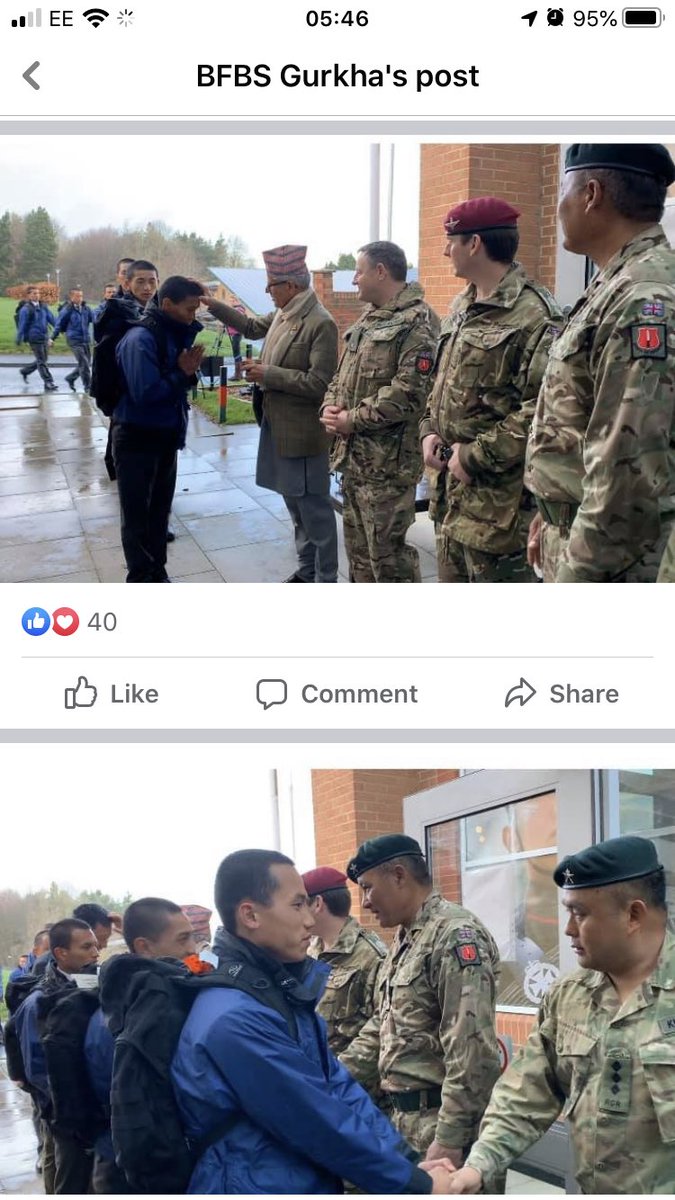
{"x":595,"y":17}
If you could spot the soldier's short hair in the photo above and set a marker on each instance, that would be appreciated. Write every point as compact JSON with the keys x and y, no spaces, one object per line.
{"x":413,"y":863}
{"x":650,"y":888}
{"x":245,"y":875}
{"x":61,"y":933}
{"x":501,"y":245}
{"x":390,"y":255}
{"x":338,"y":901}
{"x":635,"y":196}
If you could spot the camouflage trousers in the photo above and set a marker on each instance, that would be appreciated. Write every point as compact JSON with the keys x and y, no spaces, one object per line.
{"x":645,"y":570}
{"x":458,"y":563}
{"x":376,"y":518}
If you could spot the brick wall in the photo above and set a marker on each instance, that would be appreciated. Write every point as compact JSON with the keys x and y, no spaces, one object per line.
{"x":525,"y":175}
{"x":351,"y":806}
{"x":344,"y":307}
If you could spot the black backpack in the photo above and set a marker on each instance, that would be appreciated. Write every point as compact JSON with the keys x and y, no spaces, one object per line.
{"x":16,"y":992}
{"x":76,"y":1112}
{"x":107,"y":381}
{"x":17,"y":315}
{"x":151,"y":1146}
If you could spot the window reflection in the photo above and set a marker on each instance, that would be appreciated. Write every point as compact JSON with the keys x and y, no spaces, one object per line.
{"x":499,"y":864}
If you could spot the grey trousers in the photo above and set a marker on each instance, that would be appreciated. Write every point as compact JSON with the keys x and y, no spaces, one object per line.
{"x":82,"y":352}
{"x":315,"y":531}
{"x":40,"y":350}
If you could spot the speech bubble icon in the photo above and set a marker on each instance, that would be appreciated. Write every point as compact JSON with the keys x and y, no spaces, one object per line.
{"x":271,"y":691}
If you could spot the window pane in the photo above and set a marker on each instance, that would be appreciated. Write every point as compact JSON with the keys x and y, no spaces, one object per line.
{"x":499,"y":864}
{"x":647,"y":808}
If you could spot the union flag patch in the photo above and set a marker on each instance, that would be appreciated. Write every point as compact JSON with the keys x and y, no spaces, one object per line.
{"x":424,"y":362}
{"x":468,"y":955}
{"x":649,"y":341}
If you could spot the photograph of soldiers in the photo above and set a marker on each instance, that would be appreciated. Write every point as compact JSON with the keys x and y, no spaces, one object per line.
{"x":372,"y":407}
{"x":600,"y":1055}
{"x":431,"y":1042}
{"x":600,"y":456}
{"x":296,"y":363}
{"x":489,"y":365}
{"x":354,"y":955}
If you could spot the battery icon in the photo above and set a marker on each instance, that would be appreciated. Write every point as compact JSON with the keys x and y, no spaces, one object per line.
{"x":642,"y":18}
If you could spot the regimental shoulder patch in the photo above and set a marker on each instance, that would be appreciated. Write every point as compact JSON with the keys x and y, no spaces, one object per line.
{"x":467,"y":955}
{"x":424,"y":362}
{"x":667,"y":1026}
{"x":649,"y":341}
{"x":653,"y":308}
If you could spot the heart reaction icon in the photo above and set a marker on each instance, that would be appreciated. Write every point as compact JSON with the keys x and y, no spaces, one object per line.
{"x":65,"y":621}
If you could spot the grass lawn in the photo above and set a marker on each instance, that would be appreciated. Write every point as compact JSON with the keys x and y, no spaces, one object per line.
{"x":239,"y":412}
{"x":8,"y":344}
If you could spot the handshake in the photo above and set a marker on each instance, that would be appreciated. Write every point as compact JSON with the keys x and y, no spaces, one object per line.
{"x":449,"y":1180}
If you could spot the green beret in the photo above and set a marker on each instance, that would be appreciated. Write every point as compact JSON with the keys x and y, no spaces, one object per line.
{"x":608,"y":862}
{"x":380,"y":850}
{"x":647,"y":159}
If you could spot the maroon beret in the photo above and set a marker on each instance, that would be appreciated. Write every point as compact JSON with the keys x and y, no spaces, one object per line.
{"x":477,"y":216}
{"x":324,"y":879}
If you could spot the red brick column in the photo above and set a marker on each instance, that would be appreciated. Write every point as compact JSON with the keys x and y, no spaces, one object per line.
{"x":351,"y":806}
{"x":525,"y":175}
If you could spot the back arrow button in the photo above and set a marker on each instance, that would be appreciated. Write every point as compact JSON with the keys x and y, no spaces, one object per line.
{"x":28,"y":76}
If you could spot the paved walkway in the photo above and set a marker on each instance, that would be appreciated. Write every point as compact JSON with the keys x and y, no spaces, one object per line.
{"x":59,"y":513}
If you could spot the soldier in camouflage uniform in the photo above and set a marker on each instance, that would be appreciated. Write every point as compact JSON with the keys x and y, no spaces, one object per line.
{"x":602,"y":1054}
{"x":354,"y":955}
{"x":490,"y":362}
{"x":373,"y":406}
{"x":667,"y":568}
{"x":601,"y":455}
{"x":431,"y":1042}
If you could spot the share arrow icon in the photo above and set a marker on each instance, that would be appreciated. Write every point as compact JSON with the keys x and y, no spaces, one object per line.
{"x":531,"y":17}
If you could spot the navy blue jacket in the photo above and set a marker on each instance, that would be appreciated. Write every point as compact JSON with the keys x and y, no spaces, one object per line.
{"x":75,"y":323}
{"x":32,"y":1051}
{"x":99,"y":1047}
{"x":34,"y":324}
{"x":156,"y":390}
{"x":304,"y":1123}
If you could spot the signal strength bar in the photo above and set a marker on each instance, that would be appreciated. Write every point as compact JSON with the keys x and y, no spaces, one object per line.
{"x":30,"y":21}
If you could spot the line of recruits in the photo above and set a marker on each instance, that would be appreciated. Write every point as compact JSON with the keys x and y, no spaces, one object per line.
{"x":392,"y":1084}
{"x":549,"y":444}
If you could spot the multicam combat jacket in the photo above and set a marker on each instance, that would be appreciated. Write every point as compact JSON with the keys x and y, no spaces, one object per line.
{"x":608,"y":1069}
{"x":383,"y":379}
{"x":489,"y":366}
{"x":434,"y":1025}
{"x":603,"y":435}
{"x":348,"y":1001}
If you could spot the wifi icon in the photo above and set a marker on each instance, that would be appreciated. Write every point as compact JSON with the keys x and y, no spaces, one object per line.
{"x":95,"y":16}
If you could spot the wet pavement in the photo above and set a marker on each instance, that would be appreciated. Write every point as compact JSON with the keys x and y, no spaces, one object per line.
{"x":18,"y":1144}
{"x":59,"y":513}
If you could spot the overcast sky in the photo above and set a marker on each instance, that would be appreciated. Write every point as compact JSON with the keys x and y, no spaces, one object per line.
{"x":150,"y":820}
{"x":266,"y":190}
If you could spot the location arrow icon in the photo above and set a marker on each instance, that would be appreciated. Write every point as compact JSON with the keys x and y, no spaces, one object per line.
{"x":28,"y":76}
{"x":531,"y":17}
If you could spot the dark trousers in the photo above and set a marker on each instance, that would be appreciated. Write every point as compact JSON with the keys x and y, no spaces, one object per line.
{"x":74,"y":1166}
{"x":108,"y":1179}
{"x":40,"y":350}
{"x":82,"y":352}
{"x":145,"y":463}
